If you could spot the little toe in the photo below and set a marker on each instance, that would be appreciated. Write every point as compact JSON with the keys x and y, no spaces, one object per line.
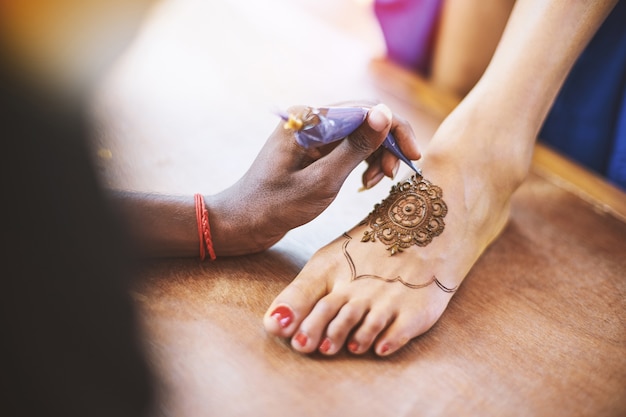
{"x":408,"y":325}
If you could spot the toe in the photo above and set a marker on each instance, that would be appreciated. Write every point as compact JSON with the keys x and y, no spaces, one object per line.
{"x":374,"y":323}
{"x":309,"y":334}
{"x":404,"y":328}
{"x":340,"y":327}
{"x":293,"y":304}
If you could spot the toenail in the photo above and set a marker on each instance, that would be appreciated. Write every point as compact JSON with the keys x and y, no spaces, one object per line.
{"x":301,"y":339}
{"x":384,"y":349}
{"x":353,"y":346}
{"x":325,"y":346}
{"x":283,"y":315}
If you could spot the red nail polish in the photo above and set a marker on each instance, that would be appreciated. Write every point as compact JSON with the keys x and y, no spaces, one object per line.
{"x":325,"y":346}
{"x":283,"y":315}
{"x":384,"y":349}
{"x":353,"y":346}
{"x":301,"y":339}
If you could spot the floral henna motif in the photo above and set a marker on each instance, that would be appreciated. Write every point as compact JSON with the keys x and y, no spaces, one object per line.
{"x":412,"y":214}
{"x":399,"y":279}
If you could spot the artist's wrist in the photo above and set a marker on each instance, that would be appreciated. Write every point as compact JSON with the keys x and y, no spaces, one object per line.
{"x":237,"y":226}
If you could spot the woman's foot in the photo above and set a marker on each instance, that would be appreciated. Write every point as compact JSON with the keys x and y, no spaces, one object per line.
{"x":356,"y":294}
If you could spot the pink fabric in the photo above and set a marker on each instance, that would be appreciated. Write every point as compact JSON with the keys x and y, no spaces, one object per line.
{"x":408,"y":27}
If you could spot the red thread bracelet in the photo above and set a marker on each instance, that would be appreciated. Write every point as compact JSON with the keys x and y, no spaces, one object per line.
{"x":204,"y":229}
{"x":198,"y":199}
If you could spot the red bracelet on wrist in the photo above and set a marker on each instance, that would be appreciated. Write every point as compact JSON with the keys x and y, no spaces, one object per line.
{"x":204,"y":229}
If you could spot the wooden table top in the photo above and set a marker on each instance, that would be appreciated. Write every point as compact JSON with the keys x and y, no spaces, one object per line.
{"x":538,"y":327}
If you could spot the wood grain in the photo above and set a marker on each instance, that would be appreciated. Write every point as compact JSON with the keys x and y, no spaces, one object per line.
{"x":538,"y":328}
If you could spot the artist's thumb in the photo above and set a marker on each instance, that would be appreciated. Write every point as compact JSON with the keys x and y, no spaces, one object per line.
{"x":364,"y":140}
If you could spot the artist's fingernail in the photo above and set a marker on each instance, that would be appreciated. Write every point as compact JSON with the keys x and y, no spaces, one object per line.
{"x":301,"y":339}
{"x":379,"y":117}
{"x":394,"y":172}
{"x":353,"y":346}
{"x":372,"y":182}
{"x":325,"y":346}
{"x":283,"y":315}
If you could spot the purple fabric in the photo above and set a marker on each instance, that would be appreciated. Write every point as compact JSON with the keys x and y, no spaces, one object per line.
{"x":408,"y":27}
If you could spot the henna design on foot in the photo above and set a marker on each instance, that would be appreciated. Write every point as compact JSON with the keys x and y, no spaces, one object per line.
{"x":399,"y":279}
{"x":412,"y":214}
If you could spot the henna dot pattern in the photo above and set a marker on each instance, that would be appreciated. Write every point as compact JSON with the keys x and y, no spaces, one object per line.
{"x":412,"y":214}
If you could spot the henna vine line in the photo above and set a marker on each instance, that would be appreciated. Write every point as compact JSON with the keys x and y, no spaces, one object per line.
{"x":399,"y":279}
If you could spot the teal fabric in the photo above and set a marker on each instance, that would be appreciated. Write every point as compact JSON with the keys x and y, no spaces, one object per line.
{"x":588,"y":119}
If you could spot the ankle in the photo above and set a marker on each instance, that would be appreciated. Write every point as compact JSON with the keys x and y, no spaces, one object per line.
{"x":490,"y":160}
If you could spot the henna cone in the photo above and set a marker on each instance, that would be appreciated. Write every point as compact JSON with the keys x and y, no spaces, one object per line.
{"x":320,"y":126}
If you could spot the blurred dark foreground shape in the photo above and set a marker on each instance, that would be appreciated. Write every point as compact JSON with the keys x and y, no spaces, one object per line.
{"x":70,"y":342}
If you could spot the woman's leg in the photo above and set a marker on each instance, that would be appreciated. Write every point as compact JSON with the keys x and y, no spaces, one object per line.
{"x":468,"y":34}
{"x":356,"y":293}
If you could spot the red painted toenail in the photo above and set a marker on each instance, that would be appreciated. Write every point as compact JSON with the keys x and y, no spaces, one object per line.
{"x":283,"y":315}
{"x":301,"y":339}
{"x":325,"y":346}
{"x":384,"y":349}
{"x":353,"y":346}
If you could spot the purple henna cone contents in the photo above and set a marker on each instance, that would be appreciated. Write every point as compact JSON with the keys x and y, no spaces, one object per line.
{"x":392,"y":146}
{"x":324,"y":125}
{"x":329,"y":124}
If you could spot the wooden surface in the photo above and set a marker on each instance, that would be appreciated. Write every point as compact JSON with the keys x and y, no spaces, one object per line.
{"x":538,"y":327}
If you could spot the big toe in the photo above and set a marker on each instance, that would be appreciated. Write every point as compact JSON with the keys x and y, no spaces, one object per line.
{"x":293,"y":304}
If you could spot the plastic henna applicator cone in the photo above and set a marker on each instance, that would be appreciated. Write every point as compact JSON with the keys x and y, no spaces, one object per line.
{"x":317,"y":126}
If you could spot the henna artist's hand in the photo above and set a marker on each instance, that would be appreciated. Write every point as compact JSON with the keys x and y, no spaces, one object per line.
{"x":288,"y":186}
{"x":383,"y":163}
